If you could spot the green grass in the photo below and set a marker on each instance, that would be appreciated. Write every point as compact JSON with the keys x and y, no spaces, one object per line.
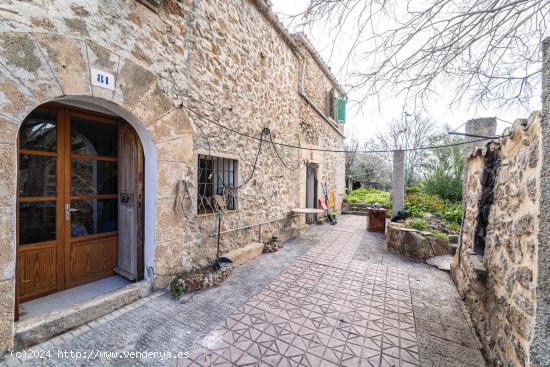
{"x":369,"y":196}
{"x":422,"y":225}
{"x":439,"y":234}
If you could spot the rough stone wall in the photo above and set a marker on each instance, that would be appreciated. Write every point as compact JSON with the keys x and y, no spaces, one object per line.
{"x":246,"y":76}
{"x":540,"y":347}
{"x":499,"y":285}
{"x":222,"y":59}
{"x":46,"y":52}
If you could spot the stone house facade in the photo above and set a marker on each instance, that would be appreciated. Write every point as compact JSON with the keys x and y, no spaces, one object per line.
{"x":191,"y":86}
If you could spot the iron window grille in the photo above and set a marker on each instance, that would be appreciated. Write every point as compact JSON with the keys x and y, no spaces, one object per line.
{"x":217,"y":177}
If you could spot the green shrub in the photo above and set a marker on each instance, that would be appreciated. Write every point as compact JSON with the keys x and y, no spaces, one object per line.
{"x":421,"y":203}
{"x":439,"y":234}
{"x":417,"y":203}
{"x":444,"y":186}
{"x":176,"y":288}
{"x":453,"y":226}
{"x":413,"y":189}
{"x":452,"y":213}
{"x":420,"y":224}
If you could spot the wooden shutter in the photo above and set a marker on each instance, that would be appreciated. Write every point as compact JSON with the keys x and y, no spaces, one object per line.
{"x":341,"y":109}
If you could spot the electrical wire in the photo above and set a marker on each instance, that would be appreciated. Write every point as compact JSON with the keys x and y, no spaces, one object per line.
{"x":330,"y":150}
{"x":298,"y":166}
{"x":265,"y":131}
{"x":508,"y":122}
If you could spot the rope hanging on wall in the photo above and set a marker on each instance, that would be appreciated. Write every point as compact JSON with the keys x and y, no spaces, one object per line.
{"x":182,"y":192}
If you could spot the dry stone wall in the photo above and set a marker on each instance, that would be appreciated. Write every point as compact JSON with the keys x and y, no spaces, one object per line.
{"x":415,"y":244}
{"x":499,"y":279}
{"x":540,"y":347}
{"x":227,"y":61}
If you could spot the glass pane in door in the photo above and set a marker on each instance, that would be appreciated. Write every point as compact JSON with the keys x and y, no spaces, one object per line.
{"x":37,"y":175}
{"x":36,"y":222}
{"x":93,"y":216}
{"x":93,"y":177}
{"x":38,"y":131}
{"x":93,"y":138}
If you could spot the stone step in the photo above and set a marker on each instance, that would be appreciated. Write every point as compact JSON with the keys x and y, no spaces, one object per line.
{"x":43,"y":327}
{"x":244,"y":254}
{"x":359,"y":206}
{"x":351,"y":212}
{"x":442,"y":262}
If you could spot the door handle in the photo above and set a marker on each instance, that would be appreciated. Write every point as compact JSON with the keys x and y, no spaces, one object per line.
{"x":68,"y":211}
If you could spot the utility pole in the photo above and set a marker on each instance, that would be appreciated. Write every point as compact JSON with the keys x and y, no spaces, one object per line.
{"x":407,"y":115}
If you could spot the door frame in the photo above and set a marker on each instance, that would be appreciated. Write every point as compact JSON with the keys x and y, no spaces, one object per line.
{"x":63,"y":196}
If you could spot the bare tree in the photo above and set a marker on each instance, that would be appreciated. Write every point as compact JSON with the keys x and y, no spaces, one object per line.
{"x":409,"y":132}
{"x":370,"y":168}
{"x":489,"y":49}
{"x":352,"y":145}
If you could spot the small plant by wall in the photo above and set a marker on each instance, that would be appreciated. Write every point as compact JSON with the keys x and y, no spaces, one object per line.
{"x":206,"y":278}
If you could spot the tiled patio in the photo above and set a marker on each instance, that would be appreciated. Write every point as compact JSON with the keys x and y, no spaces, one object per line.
{"x":332,"y":308}
{"x":331,"y":297}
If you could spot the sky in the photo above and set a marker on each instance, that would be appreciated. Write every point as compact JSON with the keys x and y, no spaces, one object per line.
{"x":376,"y":114}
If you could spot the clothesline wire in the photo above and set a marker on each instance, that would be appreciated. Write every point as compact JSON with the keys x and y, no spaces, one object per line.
{"x":206,"y":118}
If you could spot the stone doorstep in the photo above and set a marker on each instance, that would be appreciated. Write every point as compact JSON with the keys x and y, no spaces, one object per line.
{"x":244,"y":254}
{"x":43,"y":327}
{"x":252,"y":250}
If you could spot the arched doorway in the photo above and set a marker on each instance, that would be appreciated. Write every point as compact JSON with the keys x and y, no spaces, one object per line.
{"x":80,"y":200}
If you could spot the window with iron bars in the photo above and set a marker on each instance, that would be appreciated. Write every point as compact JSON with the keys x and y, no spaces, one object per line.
{"x":217,"y":179}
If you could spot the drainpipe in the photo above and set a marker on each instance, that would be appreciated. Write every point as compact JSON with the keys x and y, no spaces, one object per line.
{"x":308,"y":100}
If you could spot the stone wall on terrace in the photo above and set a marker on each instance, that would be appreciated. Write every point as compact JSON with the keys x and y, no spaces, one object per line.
{"x":501,"y":215}
{"x":540,"y":347}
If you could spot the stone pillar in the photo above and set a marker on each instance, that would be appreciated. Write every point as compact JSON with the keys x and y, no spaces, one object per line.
{"x":485,"y":126}
{"x":540,"y":346}
{"x":398,"y":182}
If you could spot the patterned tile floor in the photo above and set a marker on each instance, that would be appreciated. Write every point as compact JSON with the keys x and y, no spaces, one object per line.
{"x":330,"y":297}
{"x":333,"y":308}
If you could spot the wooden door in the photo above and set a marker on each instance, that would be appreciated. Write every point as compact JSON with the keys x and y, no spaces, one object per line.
{"x":91,"y":198}
{"x":67,"y":200}
{"x":130,"y":185}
